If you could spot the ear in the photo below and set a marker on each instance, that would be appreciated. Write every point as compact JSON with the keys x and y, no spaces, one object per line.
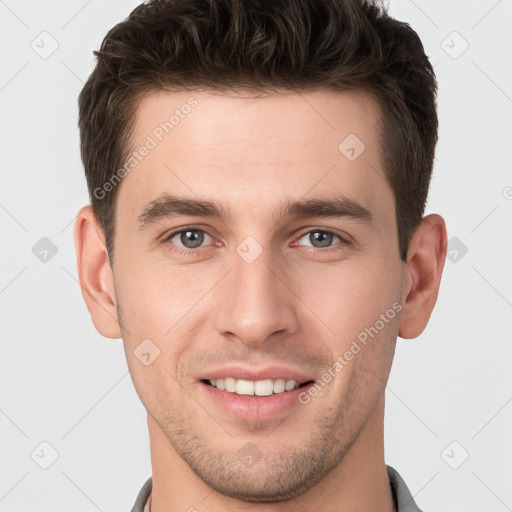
{"x":95,"y":274}
{"x":423,"y":269}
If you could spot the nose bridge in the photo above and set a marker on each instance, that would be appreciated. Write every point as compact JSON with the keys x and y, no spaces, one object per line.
{"x":255,"y":302}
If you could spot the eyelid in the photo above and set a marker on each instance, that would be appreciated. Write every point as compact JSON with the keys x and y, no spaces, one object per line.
{"x":191,"y":227}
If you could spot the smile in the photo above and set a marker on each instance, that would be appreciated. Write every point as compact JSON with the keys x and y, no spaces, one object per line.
{"x":266,"y":387}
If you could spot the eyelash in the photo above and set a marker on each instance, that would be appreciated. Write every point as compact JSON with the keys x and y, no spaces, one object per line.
{"x":181,"y":250}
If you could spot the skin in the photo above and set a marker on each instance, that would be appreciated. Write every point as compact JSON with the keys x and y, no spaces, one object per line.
{"x":296,"y":305}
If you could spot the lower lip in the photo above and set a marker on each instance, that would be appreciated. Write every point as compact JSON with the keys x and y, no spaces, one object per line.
{"x":255,"y":408}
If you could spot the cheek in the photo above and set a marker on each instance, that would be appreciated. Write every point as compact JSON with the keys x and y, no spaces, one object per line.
{"x":352,"y":296}
{"x":156,"y":295}
{"x":360,"y":306}
{"x":167,"y":304}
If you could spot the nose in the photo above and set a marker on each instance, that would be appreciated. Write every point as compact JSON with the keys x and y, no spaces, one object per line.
{"x":255,"y":301}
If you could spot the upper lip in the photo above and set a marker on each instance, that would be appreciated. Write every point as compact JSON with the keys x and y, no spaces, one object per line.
{"x":256,"y":374}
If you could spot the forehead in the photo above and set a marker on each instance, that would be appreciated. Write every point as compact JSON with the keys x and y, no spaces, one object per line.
{"x":255,"y":148}
{"x":214,"y":117}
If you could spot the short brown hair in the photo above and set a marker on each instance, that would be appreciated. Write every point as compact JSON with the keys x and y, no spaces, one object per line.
{"x":266,"y":45}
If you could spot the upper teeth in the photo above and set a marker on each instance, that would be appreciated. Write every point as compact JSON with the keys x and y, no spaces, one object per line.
{"x":259,"y":388}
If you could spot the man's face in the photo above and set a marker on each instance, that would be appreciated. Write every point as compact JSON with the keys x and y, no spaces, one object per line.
{"x":263,"y":292}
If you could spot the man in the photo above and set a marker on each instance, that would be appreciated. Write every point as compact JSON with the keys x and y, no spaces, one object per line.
{"x":258,"y":173}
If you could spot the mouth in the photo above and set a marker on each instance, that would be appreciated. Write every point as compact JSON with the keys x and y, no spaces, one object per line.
{"x":255,"y":394}
{"x":259,"y":388}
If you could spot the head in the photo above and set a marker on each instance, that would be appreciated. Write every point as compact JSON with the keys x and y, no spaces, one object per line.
{"x":292,"y":143}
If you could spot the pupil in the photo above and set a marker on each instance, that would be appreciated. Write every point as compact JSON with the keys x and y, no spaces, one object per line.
{"x":322,"y":238}
{"x":192,"y":239}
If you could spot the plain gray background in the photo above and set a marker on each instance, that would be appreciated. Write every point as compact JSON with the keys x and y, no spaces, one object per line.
{"x":449,"y":411}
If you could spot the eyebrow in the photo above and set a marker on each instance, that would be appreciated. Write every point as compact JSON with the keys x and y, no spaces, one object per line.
{"x":168,"y":206}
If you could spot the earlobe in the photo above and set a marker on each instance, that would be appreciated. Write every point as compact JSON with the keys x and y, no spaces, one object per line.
{"x":424,"y":268}
{"x":95,"y":274}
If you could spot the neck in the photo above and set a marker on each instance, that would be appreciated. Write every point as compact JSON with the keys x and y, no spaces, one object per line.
{"x":359,"y":483}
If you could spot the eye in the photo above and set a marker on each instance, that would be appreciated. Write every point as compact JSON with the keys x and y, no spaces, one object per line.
{"x":319,"y":239}
{"x":189,"y":238}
